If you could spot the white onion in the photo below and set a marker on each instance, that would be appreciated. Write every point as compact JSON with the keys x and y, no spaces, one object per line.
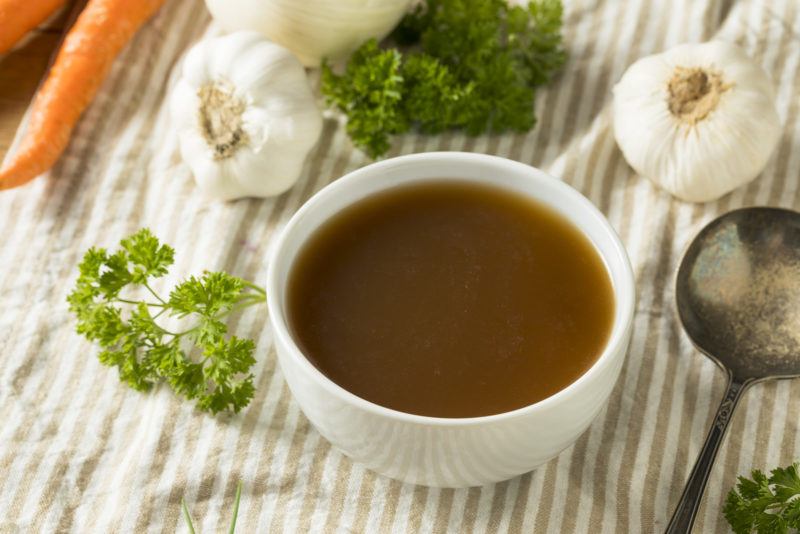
{"x":312,"y":29}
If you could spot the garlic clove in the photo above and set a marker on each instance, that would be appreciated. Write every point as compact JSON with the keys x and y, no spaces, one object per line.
{"x":205,"y":170}
{"x":247,"y":169}
{"x":256,"y":72}
{"x":222,"y":60}
{"x":195,"y":67}
{"x":183,"y":104}
{"x":257,"y":122}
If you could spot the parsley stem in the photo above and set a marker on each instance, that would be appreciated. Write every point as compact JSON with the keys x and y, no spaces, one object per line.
{"x":241,"y":304}
{"x":137,"y":302}
{"x":236,"y":507}
{"x":186,"y":516}
{"x":150,"y":289}
{"x":251,"y":298}
{"x":173,"y":334}
{"x":163,"y":330}
{"x":254,"y":287}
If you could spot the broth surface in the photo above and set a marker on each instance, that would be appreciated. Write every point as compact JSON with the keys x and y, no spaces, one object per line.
{"x":450,"y":300}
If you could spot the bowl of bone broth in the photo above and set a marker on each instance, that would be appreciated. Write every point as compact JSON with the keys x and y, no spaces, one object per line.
{"x":450,"y":319}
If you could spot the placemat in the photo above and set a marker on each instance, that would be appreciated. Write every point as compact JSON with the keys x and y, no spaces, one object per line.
{"x":79,"y":452}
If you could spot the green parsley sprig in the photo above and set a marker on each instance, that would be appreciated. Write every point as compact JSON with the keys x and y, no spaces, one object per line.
{"x":200,"y":362}
{"x":475,"y":67}
{"x":765,"y":505}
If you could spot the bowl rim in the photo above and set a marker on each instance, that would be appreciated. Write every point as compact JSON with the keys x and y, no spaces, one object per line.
{"x":624,"y":293}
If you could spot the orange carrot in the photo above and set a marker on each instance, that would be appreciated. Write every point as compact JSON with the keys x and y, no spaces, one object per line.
{"x":18,"y":17}
{"x":85,"y":58}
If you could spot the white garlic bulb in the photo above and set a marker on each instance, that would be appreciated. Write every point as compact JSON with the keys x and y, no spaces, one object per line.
{"x":698,"y":120}
{"x":246,"y":116}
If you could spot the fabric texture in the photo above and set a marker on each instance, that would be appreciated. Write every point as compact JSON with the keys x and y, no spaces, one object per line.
{"x":80,"y":452}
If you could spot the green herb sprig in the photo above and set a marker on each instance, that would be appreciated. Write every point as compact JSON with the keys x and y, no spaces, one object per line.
{"x":765,"y":505}
{"x":475,"y":67}
{"x":188,"y":517}
{"x":200,"y":362}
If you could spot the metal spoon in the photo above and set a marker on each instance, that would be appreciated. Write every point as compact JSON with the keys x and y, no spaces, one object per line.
{"x":738,"y":298}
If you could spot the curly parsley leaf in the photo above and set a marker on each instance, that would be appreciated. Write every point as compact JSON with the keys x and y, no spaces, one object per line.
{"x":370,"y":92}
{"x":209,"y":295}
{"x":475,"y":67}
{"x":201,"y":362}
{"x":147,"y":256}
{"x":765,"y":505}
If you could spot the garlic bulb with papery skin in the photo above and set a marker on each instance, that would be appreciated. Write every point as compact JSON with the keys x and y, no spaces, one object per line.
{"x":312,"y":29}
{"x":698,"y":120}
{"x":246,"y":116}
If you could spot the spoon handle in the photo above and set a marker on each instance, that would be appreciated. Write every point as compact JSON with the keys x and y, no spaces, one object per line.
{"x":683,"y":518}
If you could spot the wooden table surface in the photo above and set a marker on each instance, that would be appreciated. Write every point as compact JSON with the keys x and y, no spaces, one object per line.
{"x":20,"y":72}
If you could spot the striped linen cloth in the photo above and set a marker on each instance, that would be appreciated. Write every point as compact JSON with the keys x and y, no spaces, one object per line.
{"x":79,"y":452}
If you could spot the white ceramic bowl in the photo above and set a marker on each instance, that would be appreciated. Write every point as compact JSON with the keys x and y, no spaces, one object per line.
{"x":438,"y":451}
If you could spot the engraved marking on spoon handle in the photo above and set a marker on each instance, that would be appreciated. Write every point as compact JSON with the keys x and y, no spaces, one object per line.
{"x":685,"y":513}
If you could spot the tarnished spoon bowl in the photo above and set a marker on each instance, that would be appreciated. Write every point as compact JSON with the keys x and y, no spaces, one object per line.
{"x":738,"y":298}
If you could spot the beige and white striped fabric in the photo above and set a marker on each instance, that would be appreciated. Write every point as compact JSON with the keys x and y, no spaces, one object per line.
{"x":81,"y":453}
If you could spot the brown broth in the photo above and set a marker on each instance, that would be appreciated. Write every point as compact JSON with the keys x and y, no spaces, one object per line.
{"x":450,"y":300}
